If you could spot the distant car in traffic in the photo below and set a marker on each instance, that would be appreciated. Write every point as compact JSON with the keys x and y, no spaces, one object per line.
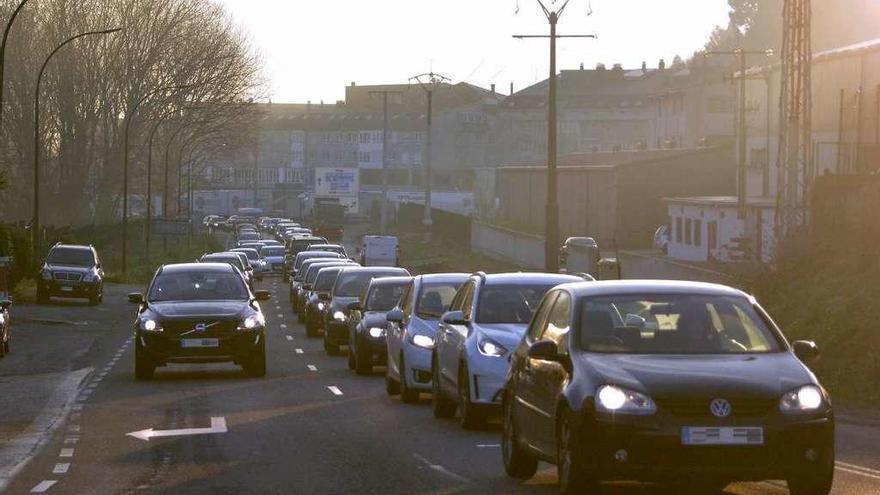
{"x":274,"y":258}
{"x":71,"y":271}
{"x":229,"y":258}
{"x":256,"y":262}
{"x":379,"y":250}
{"x":307,"y":255}
{"x":663,"y":381}
{"x":368,"y":324}
{"x":302,"y":284}
{"x":318,"y":302}
{"x":199,"y":313}
{"x":486,"y":321}
{"x":412,"y":331}
{"x":334,"y":248}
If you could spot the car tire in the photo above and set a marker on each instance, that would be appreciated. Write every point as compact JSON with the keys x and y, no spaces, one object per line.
{"x":94,"y":300}
{"x":470,"y":415}
{"x":329,"y":347}
{"x":255,"y":365}
{"x":814,"y":482}
{"x":392,"y":386}
{"x":573,"y":478}
{"x":442,"y":407}
{"x":363,"y":364}
{"x":4,"y":348}
{"x":518,"y":463}
{"x":407,"y":395}
{"x":144,"y":368}
{"x":352,"y":363}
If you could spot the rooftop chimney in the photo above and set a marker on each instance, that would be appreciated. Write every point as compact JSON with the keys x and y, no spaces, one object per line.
{"x":353,"y":84}
{"x":662,"y":64}
{"x":618,"y":67}
{"x":644,"y":67}
{"x":600,"y":66}
{"x":493,"y":88}
{"x":511,"y":87}
{"x":582,"y":66}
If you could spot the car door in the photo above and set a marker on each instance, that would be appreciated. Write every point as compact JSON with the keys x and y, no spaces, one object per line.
{"x":550,"y":377}
{"x":450,"y":339}
{"x":394,"y":341}
{"x":522,"y":373}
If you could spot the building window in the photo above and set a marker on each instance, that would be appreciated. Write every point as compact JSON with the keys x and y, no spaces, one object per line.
{"x":678,"y":238}
{"x":712,"y":227}
{"x":365,"y":137}
{"x":688,"y":233}
{"x":365,"y":156}
{"x":325,"y":156}
{"x":698,"y":232}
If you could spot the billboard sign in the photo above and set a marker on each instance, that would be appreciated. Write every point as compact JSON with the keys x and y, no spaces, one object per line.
{"x":337,"y":182}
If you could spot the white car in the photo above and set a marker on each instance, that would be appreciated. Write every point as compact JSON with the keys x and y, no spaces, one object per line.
{"x":661,"y":238}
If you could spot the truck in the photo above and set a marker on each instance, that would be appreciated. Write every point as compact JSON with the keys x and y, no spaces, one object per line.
{"x":327,"y":219}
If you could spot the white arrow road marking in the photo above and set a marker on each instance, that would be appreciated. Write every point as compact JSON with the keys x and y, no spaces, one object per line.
{"x":43,"y":486}
{"x":218,"y":425}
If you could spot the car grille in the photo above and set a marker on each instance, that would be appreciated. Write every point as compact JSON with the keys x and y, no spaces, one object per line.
{"x":68,"y":276}
{"x":699,"y":407}
{"x":216,"y":328}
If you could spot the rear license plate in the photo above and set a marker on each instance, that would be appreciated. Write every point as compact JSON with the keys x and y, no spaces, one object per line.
{"x":200,"y":343}
{"x":746,"y":435}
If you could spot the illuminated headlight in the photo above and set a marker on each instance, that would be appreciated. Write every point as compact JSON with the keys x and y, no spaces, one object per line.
{"x":320,"y":306}
{"x":616,"y":400}
{"x":423,"y":341}
{"x":491,"y":348}
{"x":252,"y":322}
{"x":376,"y":332}
{"x":150,"y":325}
{"x":808,"y":398}
{"x":339,"y":316}
{"x":47,"y":275}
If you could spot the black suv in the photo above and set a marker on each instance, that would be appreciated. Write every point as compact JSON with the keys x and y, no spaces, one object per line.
{"x":71,"y":271}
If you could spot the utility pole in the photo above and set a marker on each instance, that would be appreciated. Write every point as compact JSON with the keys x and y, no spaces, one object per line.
{"x":429,"y":82}
{"x":383,"y":214}
{"x":551,"y":242}
{"x":9,"y":24}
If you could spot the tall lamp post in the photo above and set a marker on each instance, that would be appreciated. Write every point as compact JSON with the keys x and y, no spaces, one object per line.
{"x":3,"y":50}
{"x":36,"y":222}
{"x":429,"y":83}
{"x":147,"y":225}
{"x":551,"y":242}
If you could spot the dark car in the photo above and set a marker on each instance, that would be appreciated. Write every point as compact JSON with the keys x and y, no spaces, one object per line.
{"x":234,"y":259}
{"x":348,"y":287}
{"x":71,"y":271}
{"x":368,"y":325}
{"x":199,"y":313}
{"x":5,"y":326}
{"x":302,"y":256}
{"x":301,"y":285}
{"x":318,"y":300}
{"x":667,"y":382}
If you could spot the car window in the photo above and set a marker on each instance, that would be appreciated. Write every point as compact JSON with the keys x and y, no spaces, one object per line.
{"x":353,"y":284}
{"x":230,"y":260}
{"x":434,"y":300}
{"x":384,"y":297}
{"x":272,"y":251}
{"x":325,"y":279}
{"x":674,"y":324}
{"x":536,"y":329}
{"x":71,"y":257}
{"x":197,"y":286}
{"x":558,"y":324}
{"x":510,"y":303}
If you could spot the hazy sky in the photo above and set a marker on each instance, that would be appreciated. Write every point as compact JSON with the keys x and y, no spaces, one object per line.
{"x":313,"y":48}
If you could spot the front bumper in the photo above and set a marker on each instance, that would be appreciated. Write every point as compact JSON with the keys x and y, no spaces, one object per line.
{"x":163,"y":349}
{"x":418,"y":366}
{"x":376,"y":348}
{"x":69,"y":288}
{"x":654,"y":451}
{"x":487,"y":375}
{"x":336,"y":331}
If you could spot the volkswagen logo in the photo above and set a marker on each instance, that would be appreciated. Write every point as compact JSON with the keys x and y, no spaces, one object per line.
{"x":720,"y":408}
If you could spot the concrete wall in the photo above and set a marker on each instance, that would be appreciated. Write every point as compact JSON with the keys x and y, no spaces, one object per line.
{"x":646,"y":266}
{"x":508,"y":245}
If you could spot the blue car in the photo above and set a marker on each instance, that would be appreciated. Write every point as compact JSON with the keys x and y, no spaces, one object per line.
{"x":486,"y":321}
{"x":412,"y":329}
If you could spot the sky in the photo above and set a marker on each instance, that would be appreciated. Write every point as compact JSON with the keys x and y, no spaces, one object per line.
{"x":312,"y":49}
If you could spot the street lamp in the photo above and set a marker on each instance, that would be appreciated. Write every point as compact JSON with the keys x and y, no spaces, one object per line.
{"x":36,"y":221}
{"x":3,"y":50}
{"x":147,"y":225}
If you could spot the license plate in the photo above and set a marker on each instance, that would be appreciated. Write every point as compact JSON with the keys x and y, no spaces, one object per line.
{"x":66,"y":289}
{"x":722,"y":436}
{"x":200,"y":343}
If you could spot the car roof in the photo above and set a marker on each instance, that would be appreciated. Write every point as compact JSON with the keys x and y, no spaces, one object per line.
{"x":530,"y":277}
{"x":636,"y":287}
{"x":375,"y":269}
{"x":440,"y":278}
{"x":390,"y":281}
{"x":243,"y":249}
{"x":196,"y":267}
{"x":330,"y":269}
{"x":324,"y":245}
{"x":318,"y":254}
{"x":79,"y":247}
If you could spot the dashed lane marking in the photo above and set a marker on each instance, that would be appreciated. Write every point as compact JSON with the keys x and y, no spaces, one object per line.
{"x":288,"y":337}
{"x":61,"y":468}
{"x":73,"y":428}
{"x":442,"y":470}
{"x":312,"y":367}
{"x":299,"y":351}
{"x":858,"y":473}
{"x":280,"y":315}
{"x":43,"y":486}
{"x":283,"y":325}
{"x":857,"y":467}
{"x":488,"y":445}
{"x":66,"y":453}
{"x":71,"y":440}
{"x":335,"y":390}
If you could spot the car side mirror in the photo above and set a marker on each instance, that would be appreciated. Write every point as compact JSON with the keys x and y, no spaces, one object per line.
{"x":136,"y":298}
{"x":544,"y":350}
{"x":5,"y":304}
{"x":324,"y":296}
{"x":262,"y":295}
{"x":806,"y":351}
{"x":455,"y":318}
{"x":394,"y":316}
{"x":355,"y":306}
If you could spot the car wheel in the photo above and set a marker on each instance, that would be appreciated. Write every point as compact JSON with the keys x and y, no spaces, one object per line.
{"x":143,"y":366}
{"x":352,"y":362}
{"x":470,"y":415}
{"x":329,"y":347}
{"x":443,"y":407}
{"x":363,"y":364}
{"x":255,"y":365}
{"x":407,"y":394}
{"x":518,"y":463}
{"x":94,"y":300}
{"x":814,"y":482}
{"x":392,"y":386}
{"x":573,"y":478}
{"x":4,"y":348}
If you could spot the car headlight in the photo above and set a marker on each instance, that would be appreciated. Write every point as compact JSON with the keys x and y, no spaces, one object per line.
{"x":320,"y":306}
{"x":150,"y":325}
{"x":491,"y":348}
{"x":808,"y":398}
{"x":46,"y":274}
{"x":422,"y":341}
{"x":615,"y":400}
{"x":339,"y":316}
{"x":376,"y":332}
{"x":252,"y":322}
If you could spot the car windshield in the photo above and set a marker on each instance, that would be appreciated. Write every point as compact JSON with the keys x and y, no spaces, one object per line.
{"x":674,"y":324}
{"x":353,"y":284}
{"x":506,"y":303}
{"x":384,"y":297}
{"x":326,"y":278}
{"x":71,"y":257}
{"x":434,"y":300}
{"x":232,"y":260}
{"x":313,"y":271}
{"x":272,"y":251}
{"x":198,"y":286}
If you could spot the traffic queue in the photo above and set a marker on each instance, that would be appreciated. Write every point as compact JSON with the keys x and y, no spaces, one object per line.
{"x":681,"y":383}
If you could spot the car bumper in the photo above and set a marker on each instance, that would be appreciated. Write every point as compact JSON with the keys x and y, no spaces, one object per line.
{"x":418,"y":366}
{"x":376,"y":348}
{"x":336,"y":331}
{"x":163,"y":349}
{"x":69,"y":289}
{"x":654,"y":451}
{"x":487,"y":375}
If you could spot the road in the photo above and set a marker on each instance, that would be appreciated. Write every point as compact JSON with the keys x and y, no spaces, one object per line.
{"x":311,"y":426}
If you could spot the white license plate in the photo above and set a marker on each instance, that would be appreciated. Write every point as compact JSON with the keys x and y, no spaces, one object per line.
{"x":66,"y":289}
{"x":200,"y":343}
{"x":737,"y":435}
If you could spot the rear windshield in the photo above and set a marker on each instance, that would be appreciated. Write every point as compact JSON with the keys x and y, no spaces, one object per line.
{"x":232,"y":260}
{"x":251,"y":254}
{"x":313,"y":270}
{"x":196,"y":286}
{"x":384,"y":297}
{"x":248,"y":236}
{"x":434,"y":300}
{"x":674,"y":324}
{"x":71,"y":257}
{"x":301,"y":257}
{"x":510,"y":303}
{"x":326,"y":278}
{"x":272,"y":251}
{"x":354,"y":284}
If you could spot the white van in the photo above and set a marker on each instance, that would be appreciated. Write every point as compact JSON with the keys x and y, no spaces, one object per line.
{"x":379,"y":250}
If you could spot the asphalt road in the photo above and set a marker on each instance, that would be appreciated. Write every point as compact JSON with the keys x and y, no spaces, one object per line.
{"x":311,"y":426}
